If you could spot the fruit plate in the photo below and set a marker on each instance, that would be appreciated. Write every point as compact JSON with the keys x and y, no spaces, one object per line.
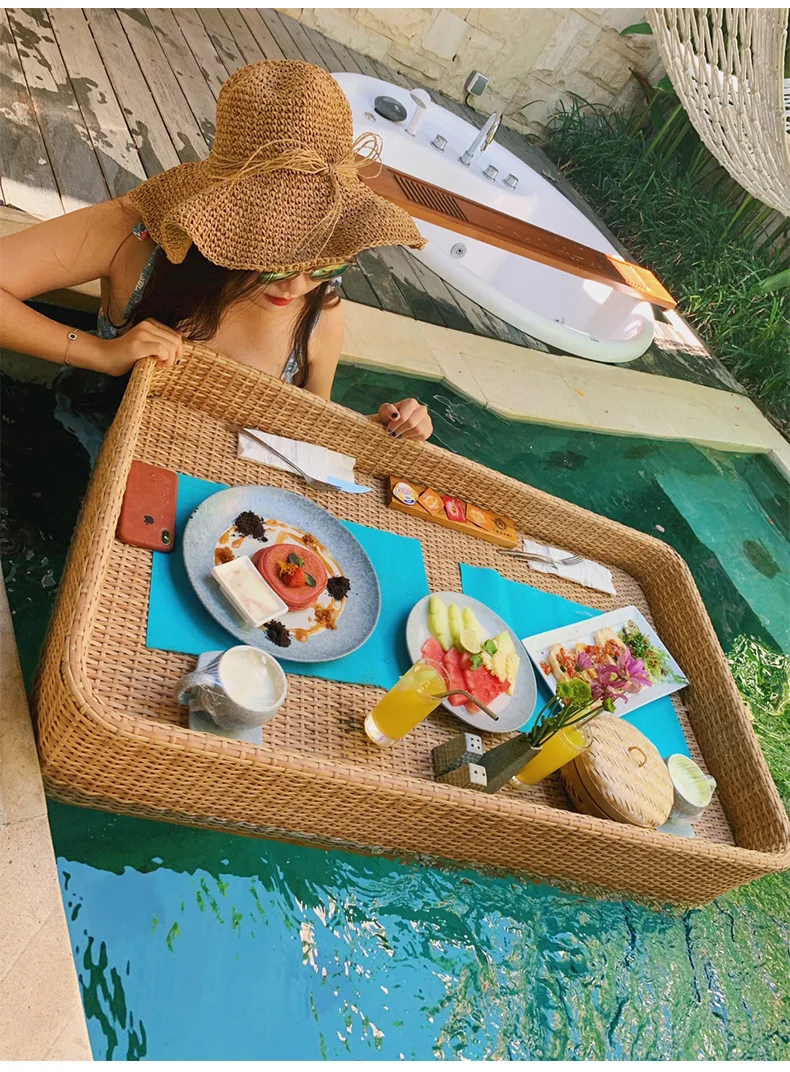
{"x":513,"y":710}
{"x":584,"y":632}
{"x":295,"y":516}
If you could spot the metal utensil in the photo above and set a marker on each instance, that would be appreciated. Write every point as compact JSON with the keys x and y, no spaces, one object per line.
{"x":469,"y":696}
{"x":318,"y":485}
{"x":571,"y":560}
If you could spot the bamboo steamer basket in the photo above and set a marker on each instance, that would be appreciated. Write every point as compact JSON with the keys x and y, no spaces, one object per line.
{"x":621,"y":776}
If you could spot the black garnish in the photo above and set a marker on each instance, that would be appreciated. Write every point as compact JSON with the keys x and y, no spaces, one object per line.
{"x":249,"y":524}
{"x":278,"y":634}
{"x":338,"y":587}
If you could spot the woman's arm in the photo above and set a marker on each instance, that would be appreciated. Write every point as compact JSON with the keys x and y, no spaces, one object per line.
{"x":407,"y":419}
{"x":76,"y":248}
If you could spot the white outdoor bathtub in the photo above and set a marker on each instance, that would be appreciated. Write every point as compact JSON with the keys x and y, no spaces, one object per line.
{"x":578,"y":316}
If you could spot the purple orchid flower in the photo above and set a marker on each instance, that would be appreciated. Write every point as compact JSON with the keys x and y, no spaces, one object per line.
{"x":617,"y":680}
{"x":583,"y":662}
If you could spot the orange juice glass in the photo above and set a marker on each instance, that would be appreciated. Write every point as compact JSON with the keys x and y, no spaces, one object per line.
{"x":555,"y":753}
{"x":407,"y":703}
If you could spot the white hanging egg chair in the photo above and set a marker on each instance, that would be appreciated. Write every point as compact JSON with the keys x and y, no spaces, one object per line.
{"x":727,"y":68}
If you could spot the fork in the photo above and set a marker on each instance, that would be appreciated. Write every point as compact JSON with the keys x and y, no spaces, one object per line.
{"x":530,"y":556}
{"x":314,"y":482}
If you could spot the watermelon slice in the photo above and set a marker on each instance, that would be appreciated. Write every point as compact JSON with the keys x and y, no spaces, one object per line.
{"x":433,"y":650}
{"x":481,"y":683}
{"x":452,"y":664}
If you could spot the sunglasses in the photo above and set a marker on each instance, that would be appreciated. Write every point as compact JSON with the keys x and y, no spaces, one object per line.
{"x":318,"y":274}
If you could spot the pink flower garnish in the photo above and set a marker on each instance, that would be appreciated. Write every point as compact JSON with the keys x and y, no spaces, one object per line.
{"x":583,"y":661}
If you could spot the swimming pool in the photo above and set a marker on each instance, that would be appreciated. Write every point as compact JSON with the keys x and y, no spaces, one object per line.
{"x":198,"y":944}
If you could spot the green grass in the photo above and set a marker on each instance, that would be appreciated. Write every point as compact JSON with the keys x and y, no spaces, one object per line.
{"x":763,"y":680}
{"x":690,"y":239}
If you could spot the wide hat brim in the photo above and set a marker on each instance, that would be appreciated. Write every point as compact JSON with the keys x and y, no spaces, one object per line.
{"x":270,"y":222}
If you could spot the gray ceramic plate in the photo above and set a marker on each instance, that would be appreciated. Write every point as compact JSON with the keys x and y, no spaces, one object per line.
{"x":217,"y":514}
{"x":513,"y":710}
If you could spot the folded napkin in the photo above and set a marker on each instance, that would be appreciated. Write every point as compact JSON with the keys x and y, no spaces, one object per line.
{"x":320,"y":462}
{"x":588,"y":573}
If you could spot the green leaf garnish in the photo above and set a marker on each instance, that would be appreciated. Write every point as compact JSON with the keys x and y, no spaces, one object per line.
{"x":490,"y":647}
{"x":295,"y":560}
{"x":476,"y":661}
{"x":309,"y":581}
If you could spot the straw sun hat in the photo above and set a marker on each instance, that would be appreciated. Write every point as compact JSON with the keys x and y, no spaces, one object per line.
{"x":280,"y":189}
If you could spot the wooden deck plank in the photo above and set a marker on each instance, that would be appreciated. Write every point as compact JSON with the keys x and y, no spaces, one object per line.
{"x":74,"y":164}
{"x":325,"y":48}
{"x":364,"y":64}
{"x":280,"y":34}
{"x":357,"y":289}
{"x":184,"y":66}
{"x":148,"y":129}
{"x":409,"y":284}
{"x":344,"y":56}
{"x":383,"y":282}
{"x":185,"y":132}
{"x":112,"y":140}
{"x":28,"y":182}
{"x":386,"y":74}
{"x":221,"y":38}
{"x":479,"y":319}
{"x":240,"y":31}
{"x":437,"y":289}
{"x":196,"y":36}
{"x":304,"y":45}
{"x":256,"y":24}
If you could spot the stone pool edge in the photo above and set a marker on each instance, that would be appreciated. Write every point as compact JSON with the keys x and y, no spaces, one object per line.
{"x":41,"y":1012}
{"x":528,"y":385}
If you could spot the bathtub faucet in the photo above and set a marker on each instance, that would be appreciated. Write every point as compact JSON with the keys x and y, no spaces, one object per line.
{"x":483,"y":139}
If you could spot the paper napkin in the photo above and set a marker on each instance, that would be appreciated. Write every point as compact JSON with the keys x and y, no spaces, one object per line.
{"x":320,"y":462}
{"x":588,"y":573}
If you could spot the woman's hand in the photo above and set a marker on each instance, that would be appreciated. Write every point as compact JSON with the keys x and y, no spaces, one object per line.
{"x":149,"y":338}
{"x":407,"y":419}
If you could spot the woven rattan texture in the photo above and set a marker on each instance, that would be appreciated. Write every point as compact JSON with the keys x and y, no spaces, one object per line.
{"x":621,"y":776}
{"x":285,"y":138}
{"x":727,"y":67}
{"x":110,"y":736}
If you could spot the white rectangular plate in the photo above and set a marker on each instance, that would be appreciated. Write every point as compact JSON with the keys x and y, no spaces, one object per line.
{"x":540,"y":645}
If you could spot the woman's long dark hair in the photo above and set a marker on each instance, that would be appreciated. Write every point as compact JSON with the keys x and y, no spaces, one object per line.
{"x":194,"y":295}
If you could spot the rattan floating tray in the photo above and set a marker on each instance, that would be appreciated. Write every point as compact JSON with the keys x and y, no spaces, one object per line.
{"x":111,"y":736}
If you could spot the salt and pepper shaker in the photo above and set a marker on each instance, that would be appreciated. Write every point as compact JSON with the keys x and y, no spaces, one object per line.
{"x":465,"y":748}
{"x":460,"y":760}
{"x":470,"y":776}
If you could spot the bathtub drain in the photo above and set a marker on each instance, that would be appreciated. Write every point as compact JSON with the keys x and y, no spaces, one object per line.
{"x":458,"y":251}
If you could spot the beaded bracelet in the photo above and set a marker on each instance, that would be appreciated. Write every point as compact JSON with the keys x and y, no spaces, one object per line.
{"x":70,"y":338}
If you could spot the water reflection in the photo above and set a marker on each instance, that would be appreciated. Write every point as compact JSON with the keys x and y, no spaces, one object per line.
{"x":193,"y":944}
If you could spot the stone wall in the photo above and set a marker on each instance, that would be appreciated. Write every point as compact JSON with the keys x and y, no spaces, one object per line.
{"x":533,"y":57}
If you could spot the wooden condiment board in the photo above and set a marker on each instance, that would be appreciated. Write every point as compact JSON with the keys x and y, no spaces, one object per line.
{"x":451,"y":512}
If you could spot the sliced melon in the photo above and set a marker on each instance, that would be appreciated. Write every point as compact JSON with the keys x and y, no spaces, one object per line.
{"x":456,"y":622}
{"x":438,"y":622}
{"x":471,"y":622}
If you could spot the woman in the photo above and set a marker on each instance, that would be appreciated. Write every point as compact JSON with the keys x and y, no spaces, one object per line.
{"x":240,"y":251}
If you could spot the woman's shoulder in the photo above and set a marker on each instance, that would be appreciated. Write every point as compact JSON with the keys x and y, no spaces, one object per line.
{"x":330,"y":324}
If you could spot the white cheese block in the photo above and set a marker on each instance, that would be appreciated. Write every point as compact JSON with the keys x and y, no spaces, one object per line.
{"x":247,"y":592}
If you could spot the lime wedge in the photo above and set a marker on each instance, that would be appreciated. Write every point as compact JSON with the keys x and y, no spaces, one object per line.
{"x":470,"y":641}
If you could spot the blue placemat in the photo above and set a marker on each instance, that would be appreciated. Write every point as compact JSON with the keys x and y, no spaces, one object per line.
{"x":177,"y":620}
{"x":529,"y":610}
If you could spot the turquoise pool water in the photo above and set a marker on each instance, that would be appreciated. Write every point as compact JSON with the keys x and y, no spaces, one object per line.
{"x":195,"y":944}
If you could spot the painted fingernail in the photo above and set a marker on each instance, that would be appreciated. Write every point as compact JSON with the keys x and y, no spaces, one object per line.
{"x":394,"y":415}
